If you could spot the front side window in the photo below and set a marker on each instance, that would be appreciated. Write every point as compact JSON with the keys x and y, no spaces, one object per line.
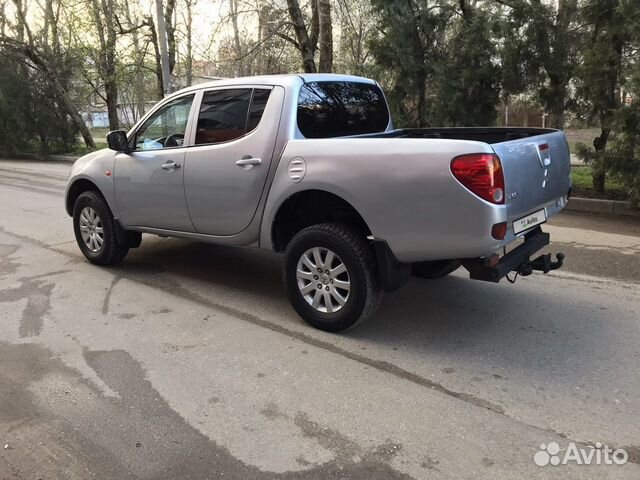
{"x":229,"y":114}
{"x":339,"y":109}
{"x":166,"y":127}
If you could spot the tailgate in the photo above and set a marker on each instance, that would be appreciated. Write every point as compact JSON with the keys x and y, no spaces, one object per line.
{"x":537,"y":173}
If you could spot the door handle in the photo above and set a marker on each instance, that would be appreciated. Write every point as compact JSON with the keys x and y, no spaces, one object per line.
{"x":171,"y":165}
{"x":248,"y":162}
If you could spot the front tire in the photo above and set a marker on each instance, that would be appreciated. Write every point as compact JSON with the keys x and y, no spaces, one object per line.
{"x":331,"y":277}
{"x":96,"y":230}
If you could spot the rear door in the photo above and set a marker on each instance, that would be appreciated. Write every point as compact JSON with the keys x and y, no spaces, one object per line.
{"x":537,"y":174}
{"x":233,"y":146}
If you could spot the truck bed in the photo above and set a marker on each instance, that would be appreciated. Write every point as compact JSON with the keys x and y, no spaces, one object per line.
{"x":535,"y":163}
{"x":489,"y":135}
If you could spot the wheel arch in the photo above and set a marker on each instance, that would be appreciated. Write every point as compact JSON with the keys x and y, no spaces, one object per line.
{"x":74,"y":190}
{"x":309,"y":207}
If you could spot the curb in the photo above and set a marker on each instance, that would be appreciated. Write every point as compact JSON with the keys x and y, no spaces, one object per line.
{"x":609,"y":207}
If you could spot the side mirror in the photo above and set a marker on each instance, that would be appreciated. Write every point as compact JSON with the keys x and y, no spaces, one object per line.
{"x":117,"y":140}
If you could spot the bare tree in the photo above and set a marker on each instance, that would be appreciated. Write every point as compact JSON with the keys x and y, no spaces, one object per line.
{"x":153,"y":35}
{"x":357,"y":25}
{"x":103,"y":14}
{"x":320,"y":31}
{"x":138,"y":60}
{"x":304,"y":42}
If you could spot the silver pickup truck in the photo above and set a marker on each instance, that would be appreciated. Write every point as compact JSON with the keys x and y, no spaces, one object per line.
{"x":311,"y":165}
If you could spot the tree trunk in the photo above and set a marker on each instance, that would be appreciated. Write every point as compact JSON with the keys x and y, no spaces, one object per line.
{"x":103,"y":16}
{"x":557,"y":64}
{"x":169,"y":24}
{"x":21,"y":16}
{"x":420,"y":78}
{"x":304,"y":43}
{"x":262,"y":34}
{"x":556,"y":103}
{"x":609,"y":102}
{"x":189,"y":35}
{"x":325,"y":36}
{"x":111,"y":92}
{"x":164,"y":54}
{"x":51,"y":42}
{"x":314,"y":34}
{"x":422,"y":101}
{"x":237,"y":46}
{"x":158,"y":60}
{"x":3,"y":18}
{"x":47,"y":24}
{"x":111,"y":81}
{"x":138,"y":55}
{"x":599,"y":164}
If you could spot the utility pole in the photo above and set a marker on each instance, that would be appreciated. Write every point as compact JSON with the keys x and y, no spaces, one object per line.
{"x":164,"y":54}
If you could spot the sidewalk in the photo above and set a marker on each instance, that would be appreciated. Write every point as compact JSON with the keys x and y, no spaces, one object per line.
{"x":610,"y":207}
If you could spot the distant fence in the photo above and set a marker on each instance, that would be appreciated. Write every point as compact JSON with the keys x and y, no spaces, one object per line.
{"x":518,"y":116}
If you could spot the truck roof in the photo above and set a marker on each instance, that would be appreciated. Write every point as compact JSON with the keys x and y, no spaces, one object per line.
{"x":284,"y":80}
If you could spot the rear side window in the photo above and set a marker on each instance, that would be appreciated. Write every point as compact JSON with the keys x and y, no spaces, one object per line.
{"x":258,"y":104}
{"x":229,"y":114}
{"x":337,"y":109}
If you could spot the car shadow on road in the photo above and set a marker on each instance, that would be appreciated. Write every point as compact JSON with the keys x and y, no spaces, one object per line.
{"x":535,"y":326}
{"x":532,"y":326}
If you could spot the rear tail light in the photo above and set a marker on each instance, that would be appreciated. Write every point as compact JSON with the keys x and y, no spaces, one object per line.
{"x":482,"y":174}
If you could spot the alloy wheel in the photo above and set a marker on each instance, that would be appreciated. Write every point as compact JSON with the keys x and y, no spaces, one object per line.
{"x":323,"y":280}
{"x":91,"y":229}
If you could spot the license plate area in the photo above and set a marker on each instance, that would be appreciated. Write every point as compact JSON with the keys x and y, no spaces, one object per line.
{"x":532,"y":220}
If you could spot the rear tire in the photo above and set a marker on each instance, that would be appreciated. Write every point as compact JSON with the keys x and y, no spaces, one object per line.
{"x":96,"y":230}
{"x":436,"y":269}
{"x":331,"y":277}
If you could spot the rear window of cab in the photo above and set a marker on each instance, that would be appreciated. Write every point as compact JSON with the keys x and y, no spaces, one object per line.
{"x":338,"y":109}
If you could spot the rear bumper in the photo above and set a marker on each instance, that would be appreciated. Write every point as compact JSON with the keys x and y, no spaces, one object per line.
{"x":493,"y":269}
{"x":394,"y":274}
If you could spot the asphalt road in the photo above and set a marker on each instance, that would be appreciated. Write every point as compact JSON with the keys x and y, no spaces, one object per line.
{"x":186,"y":361}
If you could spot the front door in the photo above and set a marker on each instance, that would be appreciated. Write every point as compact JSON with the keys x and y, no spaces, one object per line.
{"x":226,"y":167}
{"x":149,"y":181}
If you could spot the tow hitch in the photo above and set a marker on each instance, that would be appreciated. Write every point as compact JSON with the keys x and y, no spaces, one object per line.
{"x":492,"y":269}
{"x":543,"y":264}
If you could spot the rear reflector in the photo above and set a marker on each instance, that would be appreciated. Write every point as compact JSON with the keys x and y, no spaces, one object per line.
{"x":499,"y":231}
{"x":482,"y":174}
